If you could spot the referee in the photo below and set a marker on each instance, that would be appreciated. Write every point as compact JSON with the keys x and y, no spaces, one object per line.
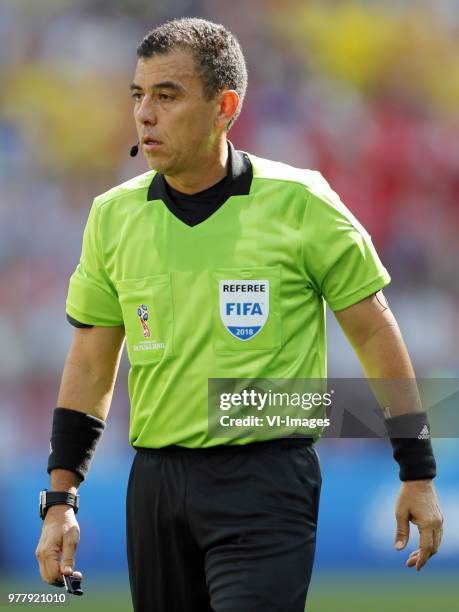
{"x":211,"y":525}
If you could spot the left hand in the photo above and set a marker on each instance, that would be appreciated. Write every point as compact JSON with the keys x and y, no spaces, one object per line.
{"x":418,"y":502}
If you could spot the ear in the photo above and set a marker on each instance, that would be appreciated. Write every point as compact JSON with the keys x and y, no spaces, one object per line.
{"x":228,"y":101}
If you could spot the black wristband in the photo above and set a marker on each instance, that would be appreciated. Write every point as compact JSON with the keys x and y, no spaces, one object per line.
{"x":57,"y":498}
{"x":74,"y":439}
{"x":410,"y":438}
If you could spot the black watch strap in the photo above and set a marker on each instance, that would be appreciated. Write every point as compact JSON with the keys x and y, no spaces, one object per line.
{"x":57,"y":498}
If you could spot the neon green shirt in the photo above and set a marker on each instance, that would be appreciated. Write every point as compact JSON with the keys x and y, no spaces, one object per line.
{"x":240,"y":295}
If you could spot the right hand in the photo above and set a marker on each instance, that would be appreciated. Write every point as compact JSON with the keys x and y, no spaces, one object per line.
{"x":58,"y":543}
{"x":418,"y":503}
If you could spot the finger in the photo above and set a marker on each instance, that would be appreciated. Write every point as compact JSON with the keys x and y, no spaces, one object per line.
{"x":403,"y":531}
{"x":49,"y":565}
{"x":78,"y":575}
{"x":413,"y":558}
{"x":38,"y":556}
{"x":69,"y":545}
{"x":48,"y":560}
{"x":425,"y":547}
{"x":438,"y":534}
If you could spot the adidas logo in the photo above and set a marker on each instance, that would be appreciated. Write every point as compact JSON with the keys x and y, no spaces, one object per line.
{"x":424,"y":434}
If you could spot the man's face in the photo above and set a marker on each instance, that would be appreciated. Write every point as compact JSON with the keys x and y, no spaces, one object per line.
{"x":175,"y":122}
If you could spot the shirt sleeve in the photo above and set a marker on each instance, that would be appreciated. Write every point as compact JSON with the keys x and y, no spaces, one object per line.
{"x":341,"y":262}
{"x":91,"y":298}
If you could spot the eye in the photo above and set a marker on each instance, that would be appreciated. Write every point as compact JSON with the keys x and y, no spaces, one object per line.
{"x":165,"y":97}
{"x":136,"y":95}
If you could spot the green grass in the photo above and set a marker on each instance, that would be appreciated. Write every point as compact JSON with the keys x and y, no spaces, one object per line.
{"x":331,"y":593}
{"x":362,"y":592}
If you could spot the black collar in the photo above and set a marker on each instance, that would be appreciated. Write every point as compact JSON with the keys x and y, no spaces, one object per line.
{"x":238,"y":182}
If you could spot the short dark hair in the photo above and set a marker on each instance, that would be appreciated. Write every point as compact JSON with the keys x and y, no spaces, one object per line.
{"x":217,"y":53}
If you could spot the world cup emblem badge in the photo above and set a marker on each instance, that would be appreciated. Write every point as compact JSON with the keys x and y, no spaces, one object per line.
{"x":142,"y":313}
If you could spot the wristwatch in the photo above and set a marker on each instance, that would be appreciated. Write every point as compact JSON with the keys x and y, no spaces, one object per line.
{"x":56,"y":498}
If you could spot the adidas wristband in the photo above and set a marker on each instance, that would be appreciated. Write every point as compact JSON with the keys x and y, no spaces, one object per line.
{"x":74,"y":439}
{"x":412,"y":449}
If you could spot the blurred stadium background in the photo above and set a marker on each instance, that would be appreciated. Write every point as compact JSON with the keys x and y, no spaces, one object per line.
{"x":365,"y":91}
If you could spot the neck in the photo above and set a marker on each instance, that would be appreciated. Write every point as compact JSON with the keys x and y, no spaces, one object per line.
{"x":208,"y":170}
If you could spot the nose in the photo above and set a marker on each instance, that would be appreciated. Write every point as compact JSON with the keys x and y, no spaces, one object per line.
{"x":145,"y":112}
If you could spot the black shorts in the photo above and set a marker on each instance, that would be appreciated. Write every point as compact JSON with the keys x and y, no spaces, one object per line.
{"x":225,"y":529}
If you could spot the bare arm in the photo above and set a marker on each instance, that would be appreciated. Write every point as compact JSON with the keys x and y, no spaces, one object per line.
{"x":373,"y":332}
{"x":90,"y":370}
{"x":87,"y":385}
{"x":88,"y":381}
{"x":375,"y":336}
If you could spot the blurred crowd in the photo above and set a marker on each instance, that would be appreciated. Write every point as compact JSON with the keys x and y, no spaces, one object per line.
{"x":366,"y":92}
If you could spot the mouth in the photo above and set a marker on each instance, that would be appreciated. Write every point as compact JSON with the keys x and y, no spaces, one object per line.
{"x":150,"y":144}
